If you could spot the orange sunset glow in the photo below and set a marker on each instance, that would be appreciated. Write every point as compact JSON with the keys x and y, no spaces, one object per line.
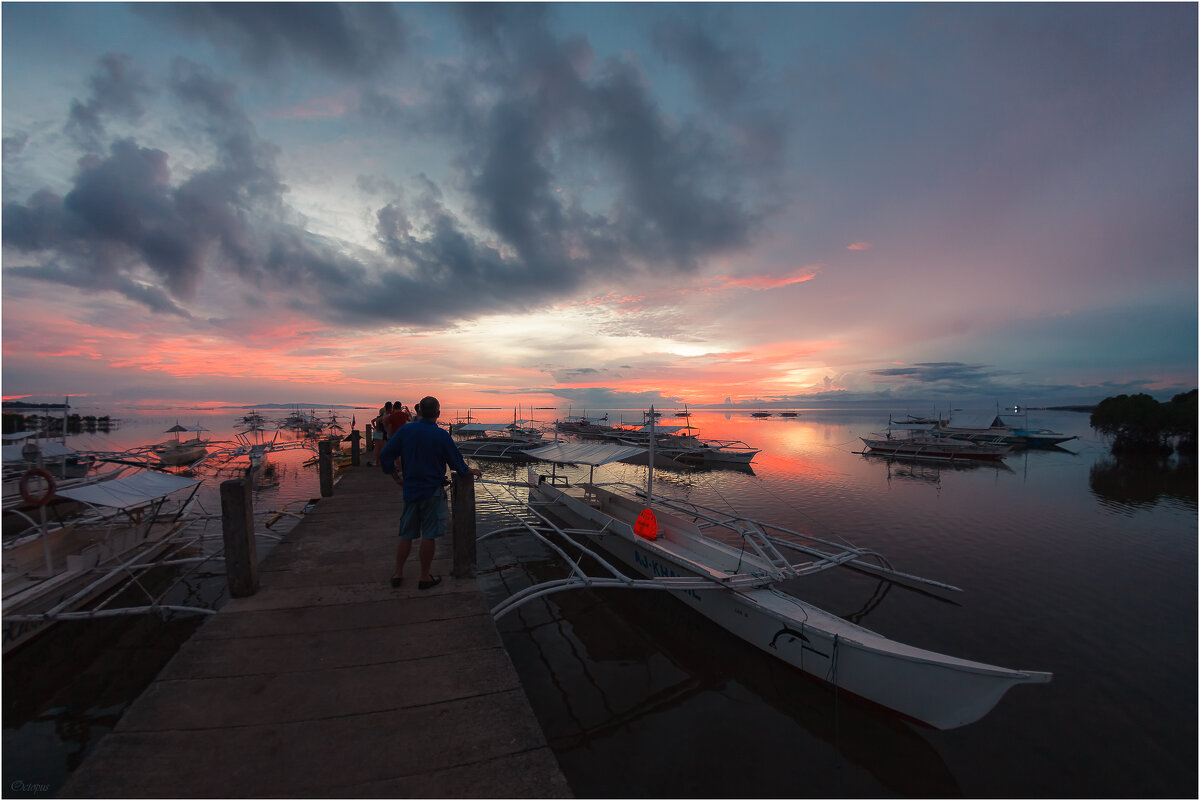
{"x":645,"y":223}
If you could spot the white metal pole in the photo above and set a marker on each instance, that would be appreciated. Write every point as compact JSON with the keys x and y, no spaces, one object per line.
{"x":650,"y":461}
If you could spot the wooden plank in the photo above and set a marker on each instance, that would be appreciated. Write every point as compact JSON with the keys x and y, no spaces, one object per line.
{"x":329,"y":682}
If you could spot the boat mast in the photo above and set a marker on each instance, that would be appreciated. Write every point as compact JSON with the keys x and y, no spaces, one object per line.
{"x":650,"y":461}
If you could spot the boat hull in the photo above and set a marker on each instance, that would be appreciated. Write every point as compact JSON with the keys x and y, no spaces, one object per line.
{"x":939,"y":690}
{"x":944,"y":448}
{"x":81,"y":578}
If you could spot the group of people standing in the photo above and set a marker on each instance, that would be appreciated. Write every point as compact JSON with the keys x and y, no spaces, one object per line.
{"x":416,"y":455}
{"x":380,"y":429}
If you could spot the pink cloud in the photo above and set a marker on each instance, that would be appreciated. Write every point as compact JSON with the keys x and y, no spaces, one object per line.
{"x":859,"y":246}
{"x":760,"y":282}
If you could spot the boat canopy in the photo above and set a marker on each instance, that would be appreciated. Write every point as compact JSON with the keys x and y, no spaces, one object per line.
{"x":594,"y":454}
{"x":20,"y":435}
{"x":979,"y":420}
{"x":48,"y":448}
{"x":480,"y":428}
{"x":136,"y":490}
{"x":178,"y":429}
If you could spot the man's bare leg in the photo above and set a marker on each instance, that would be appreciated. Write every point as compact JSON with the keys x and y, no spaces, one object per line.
{"x":403,"y":549}
{"x":426,"y":556}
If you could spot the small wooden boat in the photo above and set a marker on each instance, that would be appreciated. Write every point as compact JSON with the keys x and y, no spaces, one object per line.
{"x":498,"y":441}
{"x":57,"y":570}
{"x":995,"y":428}
{"x":179,"y":452}
{"x":685,"y":548}
{"x":926,"y":444}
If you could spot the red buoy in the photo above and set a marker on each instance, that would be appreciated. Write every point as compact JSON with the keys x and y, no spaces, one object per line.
{"x":646,"y":525}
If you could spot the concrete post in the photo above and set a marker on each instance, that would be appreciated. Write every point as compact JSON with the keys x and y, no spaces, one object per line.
{"x":355,"y":448}
{"x":237,"y":527}
{"x":325,"y":467}
{"x":462,"y":524}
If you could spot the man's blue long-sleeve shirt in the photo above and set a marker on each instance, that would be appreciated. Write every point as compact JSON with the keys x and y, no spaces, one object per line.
{"x":424,"y":451}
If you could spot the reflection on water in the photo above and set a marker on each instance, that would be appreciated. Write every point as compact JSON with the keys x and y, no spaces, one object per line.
{"x":612,"y":673}
{"x":68,"y":687}
{"x":634,"y":691}
{"x":638,"y":696}
{"x":1132,"y":483}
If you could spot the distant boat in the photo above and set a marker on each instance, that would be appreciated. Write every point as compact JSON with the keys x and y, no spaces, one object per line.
{"x":178,"y":452}
{"x":989,"y":427}
{"x":500,"y":441}
{"x":788,"y":414}
{"x":760,"y":414}
{"x":926,"y":444}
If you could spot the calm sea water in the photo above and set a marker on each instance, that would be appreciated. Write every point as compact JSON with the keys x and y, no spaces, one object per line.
{"x":1069,"y":563}
{"x":69,"y":687}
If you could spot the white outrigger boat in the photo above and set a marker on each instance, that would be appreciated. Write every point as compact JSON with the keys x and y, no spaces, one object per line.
{"x":684,"y":548}
{"x":56,"y":571}
{"x":500,"y":441}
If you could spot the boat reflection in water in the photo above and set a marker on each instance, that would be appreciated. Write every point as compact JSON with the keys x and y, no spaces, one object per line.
{"x":646,"y":659}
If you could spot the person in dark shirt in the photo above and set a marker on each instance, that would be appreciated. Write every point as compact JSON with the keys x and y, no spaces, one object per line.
{"x":424,"y":450}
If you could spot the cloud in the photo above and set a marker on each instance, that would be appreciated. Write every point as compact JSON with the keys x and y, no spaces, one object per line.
{"x":859,"y":246}
{"x":530,"y":111}
{"x":575,"y":375}
{"x":719,"y":71}
{"x":524,"y":116}
{"x":934,"y":372}
{"x":347,"y":39}
{"x":118,"y":88}
{"x":608,"y":398}
{"x":762,"y":282}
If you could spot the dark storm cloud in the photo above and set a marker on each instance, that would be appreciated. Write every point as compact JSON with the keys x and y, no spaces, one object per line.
{"x":718,"y":70}
{"x":567,"y":375}
{"x":15,"y":144}
{"x":531,"y":122}
{"x":120,"y":214}
{"x":118,"y":89}
{"x":550,"y":120}
{"x":151,"y":297}
{"x":348,"y":39}
{"x":931,"y":372}
{"x":528,"y":118}
{"x":123,"y":215}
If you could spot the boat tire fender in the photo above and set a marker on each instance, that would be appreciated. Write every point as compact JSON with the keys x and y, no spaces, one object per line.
{"x":27,"y":494}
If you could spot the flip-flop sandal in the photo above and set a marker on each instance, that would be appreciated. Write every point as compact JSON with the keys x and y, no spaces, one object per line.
{"x":396,"y":581}
{"x":425,"y":585}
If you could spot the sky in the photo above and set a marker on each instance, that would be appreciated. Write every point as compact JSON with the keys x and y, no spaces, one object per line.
{"x":599,"y":205}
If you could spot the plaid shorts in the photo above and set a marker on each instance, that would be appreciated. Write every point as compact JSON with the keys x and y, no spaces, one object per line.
{"x":426,"y":518}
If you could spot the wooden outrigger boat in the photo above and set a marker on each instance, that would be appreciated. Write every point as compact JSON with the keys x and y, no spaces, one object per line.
{"x":56,"y":571}
{"x":500,"y":441}
{"x":686,"y":549}
{"x":926,"y":444}
{"x":179,"y":452}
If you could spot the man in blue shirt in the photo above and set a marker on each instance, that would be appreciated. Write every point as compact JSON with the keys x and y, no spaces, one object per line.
{"x":424,"y":451}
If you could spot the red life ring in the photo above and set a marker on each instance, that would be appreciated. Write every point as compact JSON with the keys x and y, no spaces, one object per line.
{"x":37,"y":500}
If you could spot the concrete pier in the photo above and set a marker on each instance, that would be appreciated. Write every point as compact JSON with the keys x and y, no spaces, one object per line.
{"x":330,"y":683}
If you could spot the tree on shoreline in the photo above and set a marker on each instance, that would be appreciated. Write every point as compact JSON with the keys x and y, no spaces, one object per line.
{"x":1140,"y":424}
